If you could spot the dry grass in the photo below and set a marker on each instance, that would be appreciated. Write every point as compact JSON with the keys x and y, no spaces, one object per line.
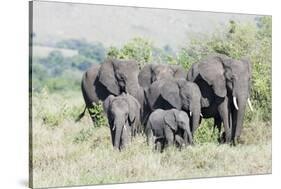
{"x":59,"y":161}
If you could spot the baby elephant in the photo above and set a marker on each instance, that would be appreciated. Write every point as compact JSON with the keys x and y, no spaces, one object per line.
{"x":123,"y":113}
{"x":168,"y":127}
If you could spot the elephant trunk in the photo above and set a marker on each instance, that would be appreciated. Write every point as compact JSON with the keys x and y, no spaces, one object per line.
{"x":195,"y":118}
{"x":117,"y":138}
{"x":238,"y":118}
{"x":187,"y":137}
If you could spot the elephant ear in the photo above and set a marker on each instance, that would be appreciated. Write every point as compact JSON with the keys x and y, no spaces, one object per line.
{"x":219,"y":86}
{"x":178,"y":71}
{"x":170,"y":120}
{"x":153,"y":93}
{"x":170,"y":92}
{"x":145,"y":75}
{"x":213,"y":73}
{"x":107,"y":77}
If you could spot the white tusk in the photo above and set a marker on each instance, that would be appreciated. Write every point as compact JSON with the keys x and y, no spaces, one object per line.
{"x":113,"y":128}
{"x":235,"y":103}
{"x":190,"y":113}
{"x":201,"y":114}
{"x":124,"y":127}
{"x":250,"y":104}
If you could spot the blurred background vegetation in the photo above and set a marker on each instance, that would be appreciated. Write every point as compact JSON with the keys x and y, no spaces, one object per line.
{"x":59,"y":68}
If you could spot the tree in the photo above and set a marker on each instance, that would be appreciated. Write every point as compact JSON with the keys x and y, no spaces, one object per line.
{"x":138,"y":49}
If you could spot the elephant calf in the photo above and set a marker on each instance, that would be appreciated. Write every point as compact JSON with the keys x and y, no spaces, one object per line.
{"x":123,"y":113}
{"x":168,"y":127}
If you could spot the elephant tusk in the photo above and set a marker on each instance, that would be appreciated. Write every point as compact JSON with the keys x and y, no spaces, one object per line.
{"x":190,"y":113}
{"x":235,"y":103}
{"x":250,"y":104}
{"x":113,"y":128}
{"x":201,"y":114}
{"x":124,"y":127}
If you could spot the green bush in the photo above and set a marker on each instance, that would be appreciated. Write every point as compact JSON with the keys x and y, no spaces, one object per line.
{"x":138,"y":49}
{"x":206,"y":133}
{"x":98,"y":113}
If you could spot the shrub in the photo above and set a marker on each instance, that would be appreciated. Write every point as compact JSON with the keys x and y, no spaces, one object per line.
{"x":98,"y":113}
{"x":138,"y":49}
{"x":206,"y":133}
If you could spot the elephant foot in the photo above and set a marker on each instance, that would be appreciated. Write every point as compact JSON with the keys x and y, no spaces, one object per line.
{"x":159,"y":146}
{"x":237,"y":140}
{"x":224,"y":139}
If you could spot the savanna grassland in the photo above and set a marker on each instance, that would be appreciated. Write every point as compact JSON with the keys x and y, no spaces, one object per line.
{"x":65,"y":153}
{"x":69,"y":153}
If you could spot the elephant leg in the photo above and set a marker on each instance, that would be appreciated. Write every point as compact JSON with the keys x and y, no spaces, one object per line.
{"x":179,"y":140}
{"x":150,"y":139}
{"x":217,"y":124}
{"x":237,"y":121}
{"x":159,"y":144}
{"x":223,"y":112}
{"x":170,"y":138}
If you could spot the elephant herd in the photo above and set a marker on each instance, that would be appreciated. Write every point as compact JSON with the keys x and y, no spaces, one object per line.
{"x":166,"y":102}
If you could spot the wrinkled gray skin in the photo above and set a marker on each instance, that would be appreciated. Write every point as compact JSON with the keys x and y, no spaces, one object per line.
{"x":123,"y":113}
{"x":168,"y":127}
{"x":179,"y":94}
{"x":221,"y":78}
{"x":110,"y":78}
{"x":155,"y":72}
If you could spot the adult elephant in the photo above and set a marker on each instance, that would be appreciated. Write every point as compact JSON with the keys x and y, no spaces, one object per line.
{"x":176,"y":93}
{"x":112,"y":77}
{"x":156,"y":72}
{"x":225,"y":86}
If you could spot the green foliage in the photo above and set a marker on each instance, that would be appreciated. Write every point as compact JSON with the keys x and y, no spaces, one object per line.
{"x":94,"y":51}
{"x":98,"y":114}
{"x":51,"y":71}
{"x":143,"y":51}
{"x":138,"y":49}
{"x":206,"y":133}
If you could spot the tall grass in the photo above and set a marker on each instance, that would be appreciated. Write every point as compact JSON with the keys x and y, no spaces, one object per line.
{"x":59,"y":160}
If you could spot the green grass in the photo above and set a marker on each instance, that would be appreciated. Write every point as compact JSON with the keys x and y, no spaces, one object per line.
{"x":60,"y":161}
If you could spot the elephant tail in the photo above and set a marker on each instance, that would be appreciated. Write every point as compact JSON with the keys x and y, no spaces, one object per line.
{"x":81,"y":115}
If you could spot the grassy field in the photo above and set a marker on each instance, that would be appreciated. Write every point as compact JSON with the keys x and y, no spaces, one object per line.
{"x":69,"y":153}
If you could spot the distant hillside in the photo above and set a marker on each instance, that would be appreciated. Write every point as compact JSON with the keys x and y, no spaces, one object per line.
{"x":43,"y":52}
{"x":114,"y":25}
